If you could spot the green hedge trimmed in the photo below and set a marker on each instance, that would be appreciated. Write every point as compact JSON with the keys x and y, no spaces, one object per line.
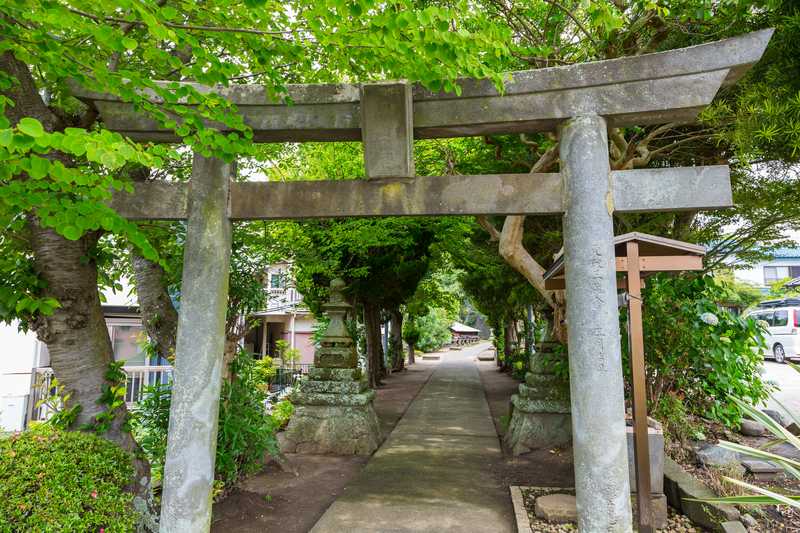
{"x":53,"y":480}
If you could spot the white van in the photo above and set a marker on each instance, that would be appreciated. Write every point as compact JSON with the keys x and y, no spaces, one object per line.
{"x":783,"y":337}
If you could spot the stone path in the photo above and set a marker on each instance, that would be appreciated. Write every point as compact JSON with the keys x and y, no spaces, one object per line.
{"x":433,"y":473}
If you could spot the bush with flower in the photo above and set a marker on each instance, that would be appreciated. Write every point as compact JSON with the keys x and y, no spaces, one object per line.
{"x":53,"y":481}
{"x":698,"y":355}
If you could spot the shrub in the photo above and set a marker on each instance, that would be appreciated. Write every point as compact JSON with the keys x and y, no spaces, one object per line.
{"x":434,"y":330}
{"x":53,"y":480}
{"x":245,"y":430}
{"x":697,"y":352}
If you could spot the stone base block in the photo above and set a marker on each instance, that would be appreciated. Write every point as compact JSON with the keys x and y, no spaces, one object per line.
{"x":659,"y":507}
{"x":534,"y":405}
{"x":333,"y":429}
{"x":334,"y":374}
{"x":532,"y":431}
{"x":334,"y":387}
{"x":305,"y":397}
{"x":541,"y":392}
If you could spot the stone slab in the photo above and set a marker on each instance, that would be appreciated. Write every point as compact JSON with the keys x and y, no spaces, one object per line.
{"x":540,"y":406}
{"x":312,"y":398}
{"x":333,"y":387}
{"x":656,"y":448}
{"x":535,"y":431}
{"x":557,"y":508}
{"x":680,"y":488}
{"x":543,"y":392}
{"x":387,"y":129}
{"x":733,"y":526}
{"x":335,"y":374}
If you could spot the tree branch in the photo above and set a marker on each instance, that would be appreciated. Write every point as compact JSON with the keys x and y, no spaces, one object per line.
{"x":484,"y":222}
{"x":179,"y":26}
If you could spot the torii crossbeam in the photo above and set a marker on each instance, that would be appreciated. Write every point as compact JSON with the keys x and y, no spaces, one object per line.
{"x":581,"y":100}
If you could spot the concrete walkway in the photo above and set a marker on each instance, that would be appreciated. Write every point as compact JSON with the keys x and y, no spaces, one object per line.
{"x":433,"y":473}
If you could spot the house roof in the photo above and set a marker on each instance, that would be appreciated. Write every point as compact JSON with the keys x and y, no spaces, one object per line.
{"x":120,"y":311}
{"x":786,"y":253}
{"x":458,"y":327}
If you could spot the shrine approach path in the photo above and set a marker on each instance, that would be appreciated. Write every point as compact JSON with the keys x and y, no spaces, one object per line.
{"x":433,"y":472}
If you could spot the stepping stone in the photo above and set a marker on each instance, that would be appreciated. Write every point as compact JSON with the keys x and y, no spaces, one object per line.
{"x":762,"y":470}
{"x":557,"y":508}
{"x":488,"y":355}
{"x":430,"y":357}
{"x":714,"y":455}
{"x":732,"y":527}
{"x":752,"y":428}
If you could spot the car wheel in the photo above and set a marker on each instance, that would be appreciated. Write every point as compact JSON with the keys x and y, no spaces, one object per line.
{"x":779,"y":353}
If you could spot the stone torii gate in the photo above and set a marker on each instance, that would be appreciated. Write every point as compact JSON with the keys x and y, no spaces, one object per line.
{"x":582,"y":100}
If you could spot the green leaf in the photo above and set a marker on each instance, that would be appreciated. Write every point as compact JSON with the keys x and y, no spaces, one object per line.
{"x":39,"y":167}
{"x":70,"y":232}
{"x":30,"y":127}
{"x":129,"y":43}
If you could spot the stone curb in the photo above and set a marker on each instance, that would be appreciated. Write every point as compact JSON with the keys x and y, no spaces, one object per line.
{"x":680,"y":487}
{"x":520,"y":513}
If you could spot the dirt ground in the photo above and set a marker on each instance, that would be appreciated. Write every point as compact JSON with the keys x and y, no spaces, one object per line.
{"x":273,"y":500}
{"x":541,"y":468}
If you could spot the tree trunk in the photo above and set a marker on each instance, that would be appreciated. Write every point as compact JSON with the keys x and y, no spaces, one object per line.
{"x":508,"y":340}
{"x":159,"y":317}
{"x":396,"y":340}
{"x":411,"y":355}
{"x":77,"y":337}
{"x":75,"y":334}
{"x":372,"y":326}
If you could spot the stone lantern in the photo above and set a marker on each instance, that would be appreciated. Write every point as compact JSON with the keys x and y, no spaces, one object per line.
{"x":333,"y":407}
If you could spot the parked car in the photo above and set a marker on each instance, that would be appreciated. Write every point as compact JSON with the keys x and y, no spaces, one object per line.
{"x":783,"y":331}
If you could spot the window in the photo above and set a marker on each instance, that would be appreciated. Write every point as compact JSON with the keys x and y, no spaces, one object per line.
{"x":276,"y":280}
{"x":775,"y":273}
{"x":126,"y":341}
{"x":781,"y":318}
{"x":765,"y":316}
{"x":794,"y":271}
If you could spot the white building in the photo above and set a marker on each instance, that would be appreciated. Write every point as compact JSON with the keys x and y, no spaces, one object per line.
{"x":785,"y":263}
{"x":23,"y":358}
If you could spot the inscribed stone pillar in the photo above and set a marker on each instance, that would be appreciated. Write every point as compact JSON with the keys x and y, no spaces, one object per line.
{"x":596,"y":386}
{"x":333,"y":407}
{"x":192,"y":437}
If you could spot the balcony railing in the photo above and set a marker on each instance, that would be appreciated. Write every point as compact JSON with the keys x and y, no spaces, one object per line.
{"x":138,"y":377}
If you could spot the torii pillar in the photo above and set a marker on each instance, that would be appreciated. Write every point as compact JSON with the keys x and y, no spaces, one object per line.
{"x":595,"y":364}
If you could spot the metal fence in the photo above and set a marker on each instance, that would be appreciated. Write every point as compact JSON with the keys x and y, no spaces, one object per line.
{"x":139,"y":377}
{"x":287,"y":377}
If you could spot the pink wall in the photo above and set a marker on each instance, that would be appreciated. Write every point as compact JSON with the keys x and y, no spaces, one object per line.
{"x":306,"y":347}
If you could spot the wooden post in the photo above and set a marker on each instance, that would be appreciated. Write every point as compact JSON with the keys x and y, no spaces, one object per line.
{"x":638,"y":385}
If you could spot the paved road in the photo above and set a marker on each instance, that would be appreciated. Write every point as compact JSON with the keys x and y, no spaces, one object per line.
{"x":433,"y":472}
{"x":788,"y":382}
